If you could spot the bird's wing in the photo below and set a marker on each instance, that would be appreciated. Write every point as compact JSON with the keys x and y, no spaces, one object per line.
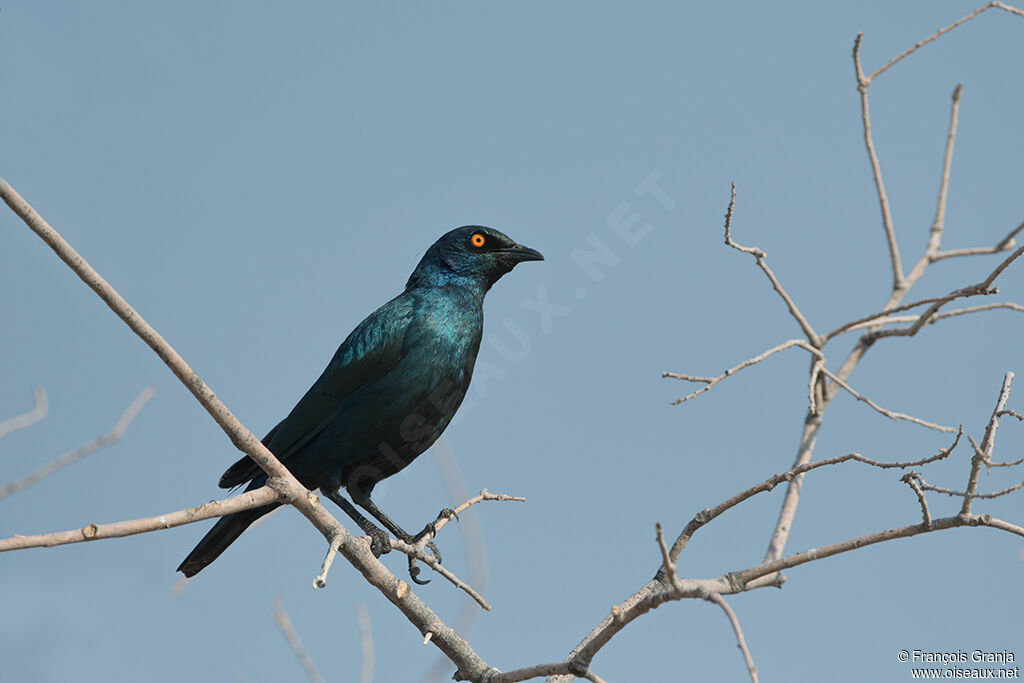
{"x":371,"y":351}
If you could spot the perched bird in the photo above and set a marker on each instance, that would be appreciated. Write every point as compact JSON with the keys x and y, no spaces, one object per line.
{"x":392,"y":387}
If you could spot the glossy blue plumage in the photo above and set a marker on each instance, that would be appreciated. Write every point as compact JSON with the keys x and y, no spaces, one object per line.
{"x":391,"y":388}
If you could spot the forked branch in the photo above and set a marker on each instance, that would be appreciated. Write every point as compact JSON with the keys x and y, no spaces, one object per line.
{"x":759,"y":257}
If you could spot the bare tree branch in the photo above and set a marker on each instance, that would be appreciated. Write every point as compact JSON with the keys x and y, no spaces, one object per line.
{"x":82,"y":451}
{"x":431,"y":561}
{"x":661,"y":590}
{"x":922,"y":43}
{"x":984,"y":454}
{"x":708,"y":514}
{"x":333,"y":543}
{"x":484,"y":495}
{"x":37,"y":413}
{"x":888,"y":320}
{"x":712,"y":381}
{"x":876,"y":168}
{"x":885,"y":315}
{"x":924,"y":485}
{"x":741,"y":642}
{"x":96,"y":532}
{"x":984,"y":287}
{"x":1006,"y":245}
{"x":900,"y":285}
{"x":759,"y":256}
{"x":767,"y":568}
{"x":911,"y":480}
{"x":818,"y":367}
{"x":939,"y":224}
{"x":285,"y":624}
{"x":888,"y":413}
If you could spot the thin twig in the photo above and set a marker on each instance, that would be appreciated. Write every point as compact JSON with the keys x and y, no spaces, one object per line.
{"x":817,"y":367}
{"x":983,"y":288}
{"x":885,"y":316}
{"x":365,"y":643}
{"x":767,"y":568}
{"x":984,"y":454}
{"x":892,"y":415}
{"x":708,"y":514}
{"x":320,"y":580}
{"x":443,"y":519}
{"x":285,"y":624}
{"x":939,"y":223}
{"x":1014,"y":463}
{"x":759,"y":256}
{"x":1009,"y":242}
{"x":741,"y":643}
{"x":963,"y":494}
{"x":38,"y":412}
{"x":876,"y":168}
{"x":921,"y":43}
{"x":431,"y":561}
{"x":82,"y":451}
{"x":975,"y":251}
{"x":886,"y":320}
{"x":911,"y":480}
{"x":712,"y":381}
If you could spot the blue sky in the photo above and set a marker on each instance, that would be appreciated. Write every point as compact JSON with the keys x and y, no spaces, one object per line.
{"x":255,"y":179}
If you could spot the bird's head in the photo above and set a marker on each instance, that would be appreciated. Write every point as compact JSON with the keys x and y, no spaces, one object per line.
{"x":471,"y":255}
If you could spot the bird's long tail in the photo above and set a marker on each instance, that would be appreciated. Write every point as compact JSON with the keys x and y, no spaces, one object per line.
{"x":223,"y":534}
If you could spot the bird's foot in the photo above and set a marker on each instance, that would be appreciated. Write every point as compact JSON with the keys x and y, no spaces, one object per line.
{"x":430,"y":530}
{"x":414,"y":571}
{"x":447,"y":513}
{"x":380,"y":544}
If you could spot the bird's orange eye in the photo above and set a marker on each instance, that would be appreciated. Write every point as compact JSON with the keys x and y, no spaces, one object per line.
{"x":477,"y":240}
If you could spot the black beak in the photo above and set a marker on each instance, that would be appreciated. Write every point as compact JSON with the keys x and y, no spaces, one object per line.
{"x":519,"y":253}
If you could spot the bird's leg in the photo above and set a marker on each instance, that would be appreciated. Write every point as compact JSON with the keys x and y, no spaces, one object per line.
{"x":362,"y":498}
{"x":380,"y":544}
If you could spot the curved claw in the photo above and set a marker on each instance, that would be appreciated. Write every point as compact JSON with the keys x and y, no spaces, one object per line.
{"x":414,"y":572}
{"x":448,"y":513}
